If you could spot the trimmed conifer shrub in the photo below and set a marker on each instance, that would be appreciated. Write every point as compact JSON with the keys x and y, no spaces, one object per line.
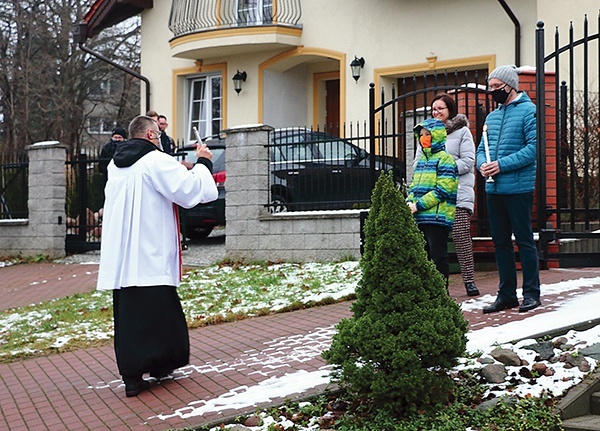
{"x":406,"y":331}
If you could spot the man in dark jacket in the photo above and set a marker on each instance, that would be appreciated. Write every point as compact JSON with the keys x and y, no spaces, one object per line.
{"x":166,"y":141}
{"x":108,"y":150}
{"x":509,"y":163}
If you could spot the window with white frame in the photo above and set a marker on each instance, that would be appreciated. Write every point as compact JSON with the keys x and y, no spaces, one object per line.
{"x":105,"y":88}
{"x":99,"y":126}
{"x":255,"y":11}
{"x":204,"y":111}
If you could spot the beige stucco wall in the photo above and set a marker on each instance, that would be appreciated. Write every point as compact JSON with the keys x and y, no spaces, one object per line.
{"x":157,"y":63}
{"x":561,"y":13}
{"x":389,"y":34}
{"x":557,"y":13}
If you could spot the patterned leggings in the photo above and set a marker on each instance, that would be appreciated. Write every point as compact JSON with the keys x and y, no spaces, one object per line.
{"x":461,"y":234}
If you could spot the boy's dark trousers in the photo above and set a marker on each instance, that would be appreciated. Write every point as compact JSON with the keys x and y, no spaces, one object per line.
{"x":436,"y":245}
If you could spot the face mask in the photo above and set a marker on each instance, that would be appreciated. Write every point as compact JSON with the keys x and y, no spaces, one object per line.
{"x":500,"y":95}
{"x":425,"y":141}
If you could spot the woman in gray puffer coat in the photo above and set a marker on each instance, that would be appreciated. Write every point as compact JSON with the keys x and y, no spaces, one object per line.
{"x":460,"y":145}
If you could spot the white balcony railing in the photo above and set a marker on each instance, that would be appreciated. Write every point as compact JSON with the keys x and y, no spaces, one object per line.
{"x":193,"y":16}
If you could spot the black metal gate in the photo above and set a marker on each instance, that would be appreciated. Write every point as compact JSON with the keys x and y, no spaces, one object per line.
{"x":392,"y":121}
{"x":567,"y":215}
{"x":85,"y":198}
{"x":572,"y":138}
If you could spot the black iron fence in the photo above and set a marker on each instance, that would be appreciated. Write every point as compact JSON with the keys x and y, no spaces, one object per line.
{"x":573,"y":138}
{"x":332,"y":169}
{"x":394,"y":113}
{"x":14,"y":169}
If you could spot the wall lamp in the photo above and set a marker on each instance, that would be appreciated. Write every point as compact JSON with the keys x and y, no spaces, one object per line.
{"x":356,"y":65}
{"x":238,"y":78}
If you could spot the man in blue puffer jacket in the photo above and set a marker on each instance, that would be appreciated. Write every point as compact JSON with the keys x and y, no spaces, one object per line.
{"x":512,"y":137}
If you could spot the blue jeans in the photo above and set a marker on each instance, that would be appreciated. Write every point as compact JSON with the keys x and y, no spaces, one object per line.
{"x":510,"y":214}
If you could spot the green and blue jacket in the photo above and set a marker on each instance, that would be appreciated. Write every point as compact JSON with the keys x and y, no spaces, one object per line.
{"x":435,"y":181}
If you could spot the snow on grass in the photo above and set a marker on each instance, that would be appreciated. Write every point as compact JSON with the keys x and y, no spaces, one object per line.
{"x":218,"y":291}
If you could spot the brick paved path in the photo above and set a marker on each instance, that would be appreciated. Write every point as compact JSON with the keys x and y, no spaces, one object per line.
{"x":32,"y":283}
{"x":81,"y":390}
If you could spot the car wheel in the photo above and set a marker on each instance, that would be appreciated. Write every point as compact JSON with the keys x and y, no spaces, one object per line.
{"x":198,"y":232}
{"x":278,"y":205}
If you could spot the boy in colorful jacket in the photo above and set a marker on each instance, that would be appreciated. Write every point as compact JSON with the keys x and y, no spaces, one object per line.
{"x":432,"y":192}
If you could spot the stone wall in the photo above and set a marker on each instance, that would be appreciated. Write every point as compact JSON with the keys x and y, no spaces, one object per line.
{"x":43,"y":233}
{"x":254,"y":233}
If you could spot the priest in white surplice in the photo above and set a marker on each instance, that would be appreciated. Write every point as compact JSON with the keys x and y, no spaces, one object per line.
{"x":140,"y":258}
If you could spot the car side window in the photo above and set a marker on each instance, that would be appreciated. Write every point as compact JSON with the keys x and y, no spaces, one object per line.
{"x":336,"y":151}
{"x":296,"y":151}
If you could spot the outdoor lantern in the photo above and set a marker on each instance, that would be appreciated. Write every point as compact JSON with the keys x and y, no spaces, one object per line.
{"x":356,"y":65}
{"x":238,"y":78}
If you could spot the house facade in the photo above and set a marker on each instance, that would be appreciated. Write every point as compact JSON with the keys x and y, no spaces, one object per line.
{"x":294,"y":56}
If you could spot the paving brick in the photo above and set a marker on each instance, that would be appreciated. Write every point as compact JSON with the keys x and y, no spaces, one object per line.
{"x":82,"y":389}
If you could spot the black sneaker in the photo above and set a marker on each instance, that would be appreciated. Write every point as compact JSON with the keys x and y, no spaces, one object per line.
{"x":159,"y":375}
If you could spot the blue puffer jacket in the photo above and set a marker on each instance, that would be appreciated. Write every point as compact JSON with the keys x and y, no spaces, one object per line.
{"x":512,"y":136}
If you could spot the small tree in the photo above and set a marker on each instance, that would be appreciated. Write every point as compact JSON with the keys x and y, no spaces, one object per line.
{"x":406,"y":332}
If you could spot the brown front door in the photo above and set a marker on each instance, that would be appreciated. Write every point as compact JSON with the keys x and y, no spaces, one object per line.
{"x":332,"y":105}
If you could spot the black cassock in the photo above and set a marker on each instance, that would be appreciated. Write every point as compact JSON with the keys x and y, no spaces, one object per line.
{"x":151,"y":333}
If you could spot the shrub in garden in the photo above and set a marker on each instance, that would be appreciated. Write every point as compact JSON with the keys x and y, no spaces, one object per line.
{"x":406,"y":332}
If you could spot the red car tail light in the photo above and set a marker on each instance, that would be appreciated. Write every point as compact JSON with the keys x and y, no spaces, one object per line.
{"x":220,"y":178}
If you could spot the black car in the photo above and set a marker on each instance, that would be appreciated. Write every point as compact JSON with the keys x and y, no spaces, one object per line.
{"x":310,"y":170}
{"x":199,"y":222}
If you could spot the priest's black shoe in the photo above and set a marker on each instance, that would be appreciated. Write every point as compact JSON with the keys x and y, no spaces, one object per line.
{"x":158,"y":375}
{"x":471,"y":289}
{"x":134,"y":386}
{"x":529,"y":304}
{"x":500,"y":305}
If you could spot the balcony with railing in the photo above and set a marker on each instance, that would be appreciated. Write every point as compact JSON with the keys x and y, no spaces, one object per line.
{"x":208,"y":28}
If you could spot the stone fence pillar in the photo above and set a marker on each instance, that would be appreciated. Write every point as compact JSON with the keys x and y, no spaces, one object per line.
{"x":247,"y":188}
{"x":46,"y":232}
{"x":253,"y":233}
